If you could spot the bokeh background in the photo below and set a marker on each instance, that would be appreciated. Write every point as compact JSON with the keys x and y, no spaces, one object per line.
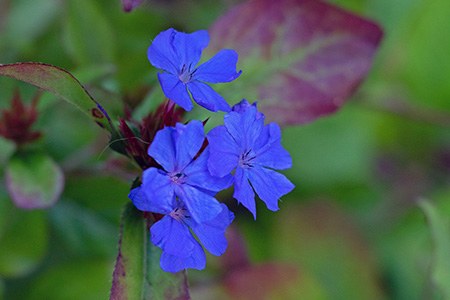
{"x":352,"y":228}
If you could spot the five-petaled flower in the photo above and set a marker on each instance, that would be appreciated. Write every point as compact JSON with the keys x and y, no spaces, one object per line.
{"x":180,"y":250}
{"x":190,"y":170}
{"x":177,"y":54}
{"x":253,"y":150}
{"x":182,"y":176}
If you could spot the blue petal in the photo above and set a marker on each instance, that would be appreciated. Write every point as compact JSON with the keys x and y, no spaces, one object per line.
{"x":161,"y":52}
{"x":172,"y":237}
{"x":198,"y":175}
{"x":243,"y":192}
{"x":173,"y":264}
{"x":242,"y":106}
{"x":189,"y":140}
{"x":205,"y":96}
{"x":158,"y":193}
{"x":270,"y":153}
{"x":152,"y":204}
{"x":175,"y":90}
{"x":269,"y":185}
{"x":163,"y":149}
{"x":138,"y":198}
{"x":245,"y":127}
{"x":224,"y":152}
{"x":189,"y":47}
{"x":220,"y":68}
{"x":201,"y":206}
{"x":212,"y":233}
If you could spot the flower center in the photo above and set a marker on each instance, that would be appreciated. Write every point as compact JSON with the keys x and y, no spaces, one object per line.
{"x":185,"y":74}
{"x":179,"y":214}
{"x":245,"y":160}
{"x":177,"y":177}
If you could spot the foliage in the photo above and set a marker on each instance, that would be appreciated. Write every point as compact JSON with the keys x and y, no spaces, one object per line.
{"x":351,"y":229}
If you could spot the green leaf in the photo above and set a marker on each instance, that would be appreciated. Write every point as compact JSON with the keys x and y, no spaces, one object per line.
{"x":61,"y":83}
{"x":73,"y":280}
{"x":88,"y":35}
{"x":137,"y":274}
{"x":105,"y":195}
{"x":440,"y":233}
{"x":23,"y":239}
{"x":424,"y":57}
{"x":33,"y":180}
{"x":82,"y":231}
{"x":27,"y":21}
{"x":2,"y":288}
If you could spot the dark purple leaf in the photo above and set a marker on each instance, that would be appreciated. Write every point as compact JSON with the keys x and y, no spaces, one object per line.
{"x":301,"y":59}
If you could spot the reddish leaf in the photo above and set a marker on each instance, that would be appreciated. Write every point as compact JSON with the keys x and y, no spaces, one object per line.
{"x":61,"y":83}
{"x":301,"y":59}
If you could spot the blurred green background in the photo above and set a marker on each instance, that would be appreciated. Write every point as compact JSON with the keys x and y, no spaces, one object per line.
{"x":351,"y":229}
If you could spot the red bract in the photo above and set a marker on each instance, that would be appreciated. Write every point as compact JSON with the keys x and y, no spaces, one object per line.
{"x":16,"y":123}
{"x":138,"y":136}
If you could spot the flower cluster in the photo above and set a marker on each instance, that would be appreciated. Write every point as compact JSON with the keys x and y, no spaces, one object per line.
{"x":194,"y":167}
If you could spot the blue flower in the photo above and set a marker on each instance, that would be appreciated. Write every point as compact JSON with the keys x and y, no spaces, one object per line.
{"x":253,"y":150}
{"x":177,"y":54}
{"x":180,"y":250}
{"x":182,"y":176}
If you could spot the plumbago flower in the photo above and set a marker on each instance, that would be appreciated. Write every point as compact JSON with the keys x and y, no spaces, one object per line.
{"x":253,"y":150}
{"x":186,"y":171}
{"x":184,"y":192}
{"x":177,"y":54}
{"x":182,"y":176}
{"x":180,"y":250}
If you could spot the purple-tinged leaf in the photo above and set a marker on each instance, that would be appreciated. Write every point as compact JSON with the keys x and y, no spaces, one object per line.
{"x":61,"y":83}
{"x":137,"y":273}
{"x":301,"y":59}
{"x":33,"y":180}
{"x":129,"y":5}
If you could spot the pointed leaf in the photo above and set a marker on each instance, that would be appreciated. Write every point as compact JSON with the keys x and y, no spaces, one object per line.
{"x":33,"y":180}
{"x":440,"y":233}
{"x":137,"y":274}
{"x":61,"y":83}
{"x":301,"y":59}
